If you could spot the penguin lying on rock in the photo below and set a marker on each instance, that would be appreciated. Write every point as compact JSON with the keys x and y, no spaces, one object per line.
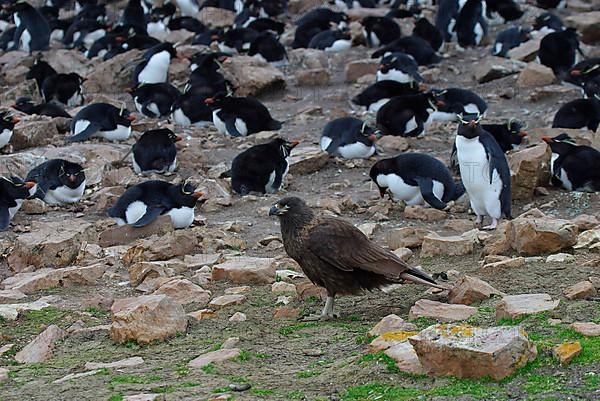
{"x":350,"y":138}
{"x":102,"y":120}
{"x":573,"y":167}
{"x":58,"y":181}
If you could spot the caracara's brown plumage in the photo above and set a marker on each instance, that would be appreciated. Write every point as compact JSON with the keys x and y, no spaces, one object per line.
{"x":338,"y":256}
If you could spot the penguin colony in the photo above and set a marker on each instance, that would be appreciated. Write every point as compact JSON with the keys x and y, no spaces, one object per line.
{"x":397,"y":103}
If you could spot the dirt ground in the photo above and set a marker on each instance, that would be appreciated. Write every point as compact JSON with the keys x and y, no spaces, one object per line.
{"x":286,"y":359}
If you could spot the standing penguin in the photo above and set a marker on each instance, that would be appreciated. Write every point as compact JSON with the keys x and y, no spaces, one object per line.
{"x":426,"y":30}
{"x":7,"y":123}
{"x":154,"y":100}
{"x":58,"y":181}
{"x":416,"y":179}
{"x":546,"y":23}
{"x":575,"y":168}
{"x":33,"y":31}
{"x":240,"y":116}
{"x":155,"y":152}
{"x":350,"y":138}
{"x":103,"y":120}
{"x":261,"y":168}
{"x":484,"y":172}
{"x":12,"y":193}
{"x":471,"y":26}
{"x":508,"y":39}
{"x":155,"y":64}
{"x":141,"y":204}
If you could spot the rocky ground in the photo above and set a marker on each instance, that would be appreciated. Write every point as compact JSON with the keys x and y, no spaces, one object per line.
{"x":94,"y":312}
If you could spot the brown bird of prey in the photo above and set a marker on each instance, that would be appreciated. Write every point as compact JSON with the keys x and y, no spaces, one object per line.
{"x":338,"y":256}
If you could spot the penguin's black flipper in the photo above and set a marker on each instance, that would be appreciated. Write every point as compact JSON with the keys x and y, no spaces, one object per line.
{"x":426,"y":187}
{"x":497,"y":161}
{"x":230,"y":126}
{"x":4,"y":218}
{"x":152,"y":214}
{"x":85,"y":134}
{"x":146,"y":111}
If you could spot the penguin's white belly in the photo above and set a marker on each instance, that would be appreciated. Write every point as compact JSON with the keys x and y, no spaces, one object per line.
{"x":156,"y":29}
{"x":219,"y":124}
{"x":5,"y":136}
{"x":64,"y":194}
{"x":357,"y":150}
{"x":91,"y":37}
{"x":153,"y":107}
{"x":182,"y":217}
{"x":57,"y":35}
{"x":372,"y":37}
{"x":75,"y":100}
{"x":339,"y":45}
{"x":25,"y":41}
{"x":441,"y":116}
{"x":411,"y":125}
{"x":269,"y":187}
{"x":394,"y":75}
{"x":135,"y":211}
{"x":3,"y":25}
{"x":471,"y":108}
{"x":374,"y":107}
{"x":478,"y":30}
{"x":325,"y":142}
{"x":552,"y":161}
{"x":156,"y":69}
{"x":180,"y":118}
{"x":564,"y":179}
{"x":240,"y":125}
{"x":497,"y":48}
{"x":120,"y":133}
{"x":474,"y":171}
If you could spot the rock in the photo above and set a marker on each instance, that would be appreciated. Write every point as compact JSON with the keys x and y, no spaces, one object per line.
{"x":471,"y":289}
{"x":237,"y":290}
{"x":560,"y":258}
{"x":33,"y":133}
{"x":535,"y":75}
{"x":113,"y":75}
{"x":307,"y":290}
{"x":587,"y":24}
{"x":587,"y":238}
{"x":312,"y":77}
{"x":34,"y":206}
{"x":3,"y":375}
{"x":510,"y":263}
{"x":246,"y":270}
{"x":226,"y":300}
{"x":356,"y":69}
{"x":283,"y":287}
{"x":358,"y":13}
{"x":410,"y":237}
{"x":515,"y":306}
{"x":123,"y":363}
{"x":406,"y":358}
{"x":586,"y":328}
{"x":202,"y":314}
{"x":5,"y":348}
{"x":238,"y":317}
{"x":169,"y":246}
{"x":148,"y":273}
{"x":440,"y":311}
{"x":581,"y":290}
{"x":492,"y":68}
{"x":8,"y":296}
{"x":393,"y":143}
{"x":307,"y":159}
{"x":403,"y":253}
{"x":231,"y":342}
{"x":216,"y":17}
{"x":144,"y":397}
{"x":126,"y":234}
{"x":565,"y":352}
{"x":217,"y":356}
{"x":434,"y":245}
{"x":525,"y":51}
{"x":391,"y":323}
{"x":585,"y":222}
{"x":465,"y":351}
{"x":251,"y":76}
{"x":147,"y":318}
{"x":553,"y":91}
{"x":184,"y":292}
{"x":308,"y":58}
{"x":42,"y":279}
{"x":418,"y":212}
{"x":389,"y":339}
{"x":40,"y":349}
{"x":529,"y":169}
{"x":49,"y":244}
{"x":11,"y":311}
{"x":284,"y":312}
{"x":431,"y":75}
{"x":538,"y":235}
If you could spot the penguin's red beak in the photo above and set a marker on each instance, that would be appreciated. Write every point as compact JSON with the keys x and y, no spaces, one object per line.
{"x":295,"y":143}
{"x":373,"y":138}
{"x":575,"y":73}
{"x":223,"y":59}
{"x":71,"y":178}
{"x":209,"y":100}
{"x":214,"y":37}
{"x":547,"y":139}
{"x":197,"y":195}
{"x":119,"y":39}
{"x":29,"y":184}
{"x":131,"y":117}
{"x":178,"y":138}
{"x":15,"y":119}
{"x":523,"y":134}
{"x":472,"y":123}
{"x":440,"y":103}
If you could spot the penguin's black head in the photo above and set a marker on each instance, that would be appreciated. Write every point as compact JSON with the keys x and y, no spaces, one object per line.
{"x":572,"y":36}
{"x":381,"y":167}
{"x":7,"y":120}
{"x":369,"y":133}
{"x":510,"y":11}
{"x":368,"y":22}
{"x":517,"y":131}
{"x":283,"y":146}
{"x":560,"y":144}
{"x":40,"y":70}
{"x":16,"y":188}
{"x":441,"y":101}
{"x":402,"y":62}
{"x":185,"y":194}
{"x":164,"y":132}
{"x":592,"y":87}
{"x":469,"y":125}
{"x":71,"y":174}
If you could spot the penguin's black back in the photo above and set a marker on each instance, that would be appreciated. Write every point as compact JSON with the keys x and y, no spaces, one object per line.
{"x":155,"y":149}
{"x":251,"y":169}
{"x":578,"y":113}
{"x":383,"y":90}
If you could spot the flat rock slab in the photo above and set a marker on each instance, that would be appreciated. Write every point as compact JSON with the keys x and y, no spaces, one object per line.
{"x":391,"y":323}
{"x":40,"y":349}
{"x":123,"y":363}
{"x":464,"y":351}
{"x":246,"y":270}
{"x":389,"y":339}
{"x":214,"y":357}
{"x":586,"y":328}
{"x":184,"y":292}
{"x":122,"y":235}
{"x":307,"y":159}
{"x":406,"y":358}
{"x":515,"y":306}
{"x":581,"y":290}
{"x":11,"y":311}
{"x":227,"y":300}
{"x":42,"y":279}
{"x":471,"y":289}
{"x":434,"y":245}
{"x":440,"y":311}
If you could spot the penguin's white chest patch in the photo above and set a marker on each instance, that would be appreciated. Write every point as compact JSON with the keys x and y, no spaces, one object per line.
{"x":156,"y":69}
{"x":471,"y":108}
{"x":394,"y":75}
{"x":188,"y":8}
{"x":64,"y":194}
{"x":339,"y":45}
{"x":497,"y":48}
{"x":219,"y":124}
{"x":135,"y":211}
{"x":180,"y":118}
{"x":120,"y":133}
{"x":182,"y":217}
{"x":564,"y":178}
{"x":440,"y":116}
{"x":76,"y":99}
{"x":374,"y":107}
{"x":356,"y":150}
{"x":411,"y":125}
{"x":25,"y":41}
{"x":552,"y":161}
{"x":5,"y":136}
{"x":226,"y":49}
{"x":240,"y":125}
{"x":478,"y":30}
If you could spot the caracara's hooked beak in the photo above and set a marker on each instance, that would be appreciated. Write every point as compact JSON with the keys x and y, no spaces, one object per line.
{"x":277,"y":211}
{"x":198,"y":195}
{"x":547,"y":139}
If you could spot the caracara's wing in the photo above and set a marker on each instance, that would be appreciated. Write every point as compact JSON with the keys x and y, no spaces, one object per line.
{"x":343,"y":246}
